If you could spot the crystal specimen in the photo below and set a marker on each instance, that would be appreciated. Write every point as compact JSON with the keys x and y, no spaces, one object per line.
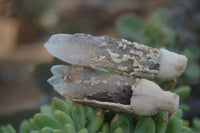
{"x":112,"y":90}
{"x":119,"y":54}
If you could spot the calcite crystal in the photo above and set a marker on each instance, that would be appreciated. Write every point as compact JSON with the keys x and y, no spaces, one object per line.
{"x":119,"y":54}
{"x":112,"y":91}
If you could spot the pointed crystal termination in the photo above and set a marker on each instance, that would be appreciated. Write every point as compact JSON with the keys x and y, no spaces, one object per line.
{"x":119,"y":54}
{"x":111,"y":90}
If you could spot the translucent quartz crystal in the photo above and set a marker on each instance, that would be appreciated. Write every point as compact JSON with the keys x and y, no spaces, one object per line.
{"x":119,"y":54}
{"x":112,"y":90}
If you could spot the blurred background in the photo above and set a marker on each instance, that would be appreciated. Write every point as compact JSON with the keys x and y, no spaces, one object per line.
{"x":25,"y":25}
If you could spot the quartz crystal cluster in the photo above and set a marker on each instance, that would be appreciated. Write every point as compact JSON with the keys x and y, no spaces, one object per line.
{"x":83,"y":83}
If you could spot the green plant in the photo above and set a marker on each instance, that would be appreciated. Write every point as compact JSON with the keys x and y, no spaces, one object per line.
{"x":68,"y":117}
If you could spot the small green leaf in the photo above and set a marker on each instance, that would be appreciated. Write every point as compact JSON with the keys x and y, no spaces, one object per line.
{"x":46,"y":110}
{"x":145,"y":125}
{"x":178,"y":114}
{"x":122,"y":121}
{"x":161,"y":122}
{"x":89,"y":113}
{"x":10,"y":128}
{"x":173,"y":125}
{"x":58,"y":131}
{"x":119,"y":130}
{"x":25,"y":127}
{"x":96,"y":121}
{"x":184,"y":107}
{"x":47,"y":130}
{"x":83,"y":131}
{"x":35,"y":131}
{"x":183,"y":91}
{"x":190,"y":76}
{"x":68,"y":104}
{"x":105,"y":128}
{"x":69,"y":128}
{"x":63,"y":118}
{"x":43,"y":120}
{"x":196,"y":124}
{"x":78,"y":116}
{"x":33,"y":125}
{"x":185,"y":129}
{"x":58,"y":104}
{"x":168,"y":85}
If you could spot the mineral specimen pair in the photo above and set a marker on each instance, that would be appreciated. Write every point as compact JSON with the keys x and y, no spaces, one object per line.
{"x":81,"y":82}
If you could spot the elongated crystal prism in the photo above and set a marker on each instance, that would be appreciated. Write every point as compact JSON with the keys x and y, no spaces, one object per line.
{"x":112,"y":90}
{"x":119,"y":54}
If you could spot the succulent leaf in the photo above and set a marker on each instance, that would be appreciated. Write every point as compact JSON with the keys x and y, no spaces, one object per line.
{"x":63,"y":118}
{"x":25,"y":127}
{"x":122,"y":121}
{"x":119,"y":130}
{"x":42,"y":120}
{"x":173,"y":125}
{"x":145,"y":125}
{"x":47,"y":130}
{"x":105,"y":128}
{"x":78,"y":116}
{"x":178,"y":114}
{"x":83,"y":131}
{"x":96,"y":121}
{"x":183,"y":91}
{"x":58,"y":104}
{"x":161,"y":122}
{"x":69,"y":128}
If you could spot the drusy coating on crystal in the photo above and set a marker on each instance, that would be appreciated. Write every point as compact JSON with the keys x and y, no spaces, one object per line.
{"x":111,"y":90}
{"x":119,"y":54}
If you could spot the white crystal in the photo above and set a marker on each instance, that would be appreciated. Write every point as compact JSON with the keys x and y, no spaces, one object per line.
{"x":140,"y":60}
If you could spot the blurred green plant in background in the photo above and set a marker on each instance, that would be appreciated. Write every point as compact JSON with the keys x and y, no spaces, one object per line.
{"x":34,"y":11}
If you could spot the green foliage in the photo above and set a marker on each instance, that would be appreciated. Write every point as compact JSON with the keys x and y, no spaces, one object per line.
{"x":178,"y":114}
{"x":161,"y":120}
{"x":167,"y":85}
{"x":78,"y":116}
{"x":183,"y":91}
{"x":97,"y":120}
{"x":145,"y":125}
{"x":83,"y":119}
{"x":192,"y":73}
{"x":7,"y":129}
{"x":121,"y":121}
{"x":173,"y":126}
{"x":105,"y":128}
{"x":119,"y":130}
{"x":25,"y":127}
{"x":130,"y":27}
{"x":196,"y":124}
